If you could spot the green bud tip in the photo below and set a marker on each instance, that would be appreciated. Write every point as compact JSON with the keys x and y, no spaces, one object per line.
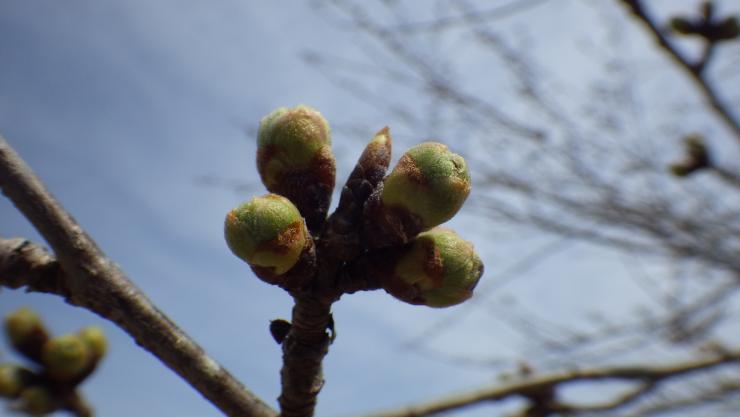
{"x":66,"y":357}
{"x":438,"y":269}
{"x":374,"y":160}
{"x":290,"y":140}
{"x":430,"y":182}
{"x":267,"y":231}
{"x":38,"y":400}
{"x":382,"y":138}
{"x":21,"y":325}
{"x":95,"y":340}
{"x":13,"y":379}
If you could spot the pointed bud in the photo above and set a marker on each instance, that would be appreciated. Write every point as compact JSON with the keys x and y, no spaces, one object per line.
{"x":26,"y":332}
{"x":270,"y":235}
{"x":95,"y":340}
{"x":374,"y":159}
{"x":66,"y":357}
{"x":425,"y":189}
{"x":341,"y":238}
{"x":13,"y":379}
{"x":438,"y":269}
{"x":294,"y":159}
{"x":37,"y":400}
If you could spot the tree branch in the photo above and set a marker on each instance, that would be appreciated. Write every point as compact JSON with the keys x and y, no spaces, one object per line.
{"x":648,"y":376}
{"x":303,"y":352}
{"x":308,"y":342}
{"x":85,"y":277}
{"x":695,"y":71}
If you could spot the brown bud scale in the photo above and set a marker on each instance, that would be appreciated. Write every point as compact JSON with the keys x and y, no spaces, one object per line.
{"x":299,"y":276}
{"x":386,"y":225}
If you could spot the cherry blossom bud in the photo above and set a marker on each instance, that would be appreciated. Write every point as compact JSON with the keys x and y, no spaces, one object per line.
{"x":294,"y":159}
{"x":438,"y":269}
{"x":270,"y":235}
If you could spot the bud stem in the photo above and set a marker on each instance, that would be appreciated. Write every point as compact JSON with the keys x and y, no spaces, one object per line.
{"x":303,"y":351}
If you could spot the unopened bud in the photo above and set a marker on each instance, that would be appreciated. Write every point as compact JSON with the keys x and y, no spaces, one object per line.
{"x":425,"y":189}
{"x":13,"y":379}
{"x":294,"y":159}
{"x":66,"y":357}
{"x":438,"y":269}
{"x":26,"y":332}
{"x":95,"y":340}
{"x":270,"y":235}
{"x":341,"y":237}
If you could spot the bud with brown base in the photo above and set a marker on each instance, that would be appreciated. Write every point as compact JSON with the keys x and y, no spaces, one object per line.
{"x":294,"y":159}
{"x":438,"y":269}
{"x":26,"y":332}
{"x":425,"y":189}
{"x":67,"y":357}
{"x":38,"y":400}
{"x":270,"y":235}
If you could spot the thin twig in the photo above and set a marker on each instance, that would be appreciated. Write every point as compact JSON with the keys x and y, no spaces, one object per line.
{"x":695,"y":71}
{"x":535,"y":384}
{"x":716,"y":394}
{"x":498,"y":12}
{"x":93,"y":281}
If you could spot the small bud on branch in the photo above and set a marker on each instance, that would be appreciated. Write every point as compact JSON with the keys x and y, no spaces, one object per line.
{"x":294,"y":159}
{"x":438,"y":269}
{"x":270,"y":235}
{"x":26,"y":332}
{"x":425,"y":189}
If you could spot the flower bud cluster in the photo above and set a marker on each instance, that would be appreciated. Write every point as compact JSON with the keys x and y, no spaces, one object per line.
{"x":392,"y":220}
{"x":59,"y":364}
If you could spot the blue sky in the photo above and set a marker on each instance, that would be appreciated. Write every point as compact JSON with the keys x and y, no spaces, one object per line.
{"x":121,"y":107}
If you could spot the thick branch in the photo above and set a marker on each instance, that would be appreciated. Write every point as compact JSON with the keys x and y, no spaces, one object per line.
{"x":526,"y":387}
{"x":694,"y":70}
{"x":93,"y":281}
